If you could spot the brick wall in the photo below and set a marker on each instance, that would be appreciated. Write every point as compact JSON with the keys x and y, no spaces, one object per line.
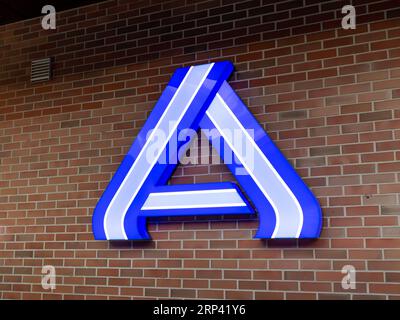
{"x":328,"y":97}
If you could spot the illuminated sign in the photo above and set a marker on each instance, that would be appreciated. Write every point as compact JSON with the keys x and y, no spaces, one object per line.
{"x":199,"y":97}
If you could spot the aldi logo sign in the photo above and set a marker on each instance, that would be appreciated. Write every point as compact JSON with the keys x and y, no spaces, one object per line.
{"x":196,"y":98}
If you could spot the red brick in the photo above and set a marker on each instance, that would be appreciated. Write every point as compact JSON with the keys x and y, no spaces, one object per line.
{"x":328,"y":97}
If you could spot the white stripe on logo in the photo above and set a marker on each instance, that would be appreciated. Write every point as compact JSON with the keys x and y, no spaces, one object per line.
{"x":125,"y":195}
{"x":216,"y":198}
{"x":217,"y":115}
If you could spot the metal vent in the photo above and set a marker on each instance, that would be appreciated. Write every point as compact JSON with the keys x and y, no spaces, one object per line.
{"x":41,"y":70}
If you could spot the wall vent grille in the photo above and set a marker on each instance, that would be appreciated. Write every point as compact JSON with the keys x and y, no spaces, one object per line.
{"x":41,"y":70}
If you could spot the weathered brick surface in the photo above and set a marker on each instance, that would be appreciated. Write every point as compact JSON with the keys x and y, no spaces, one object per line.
{"x":328,"y":97}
